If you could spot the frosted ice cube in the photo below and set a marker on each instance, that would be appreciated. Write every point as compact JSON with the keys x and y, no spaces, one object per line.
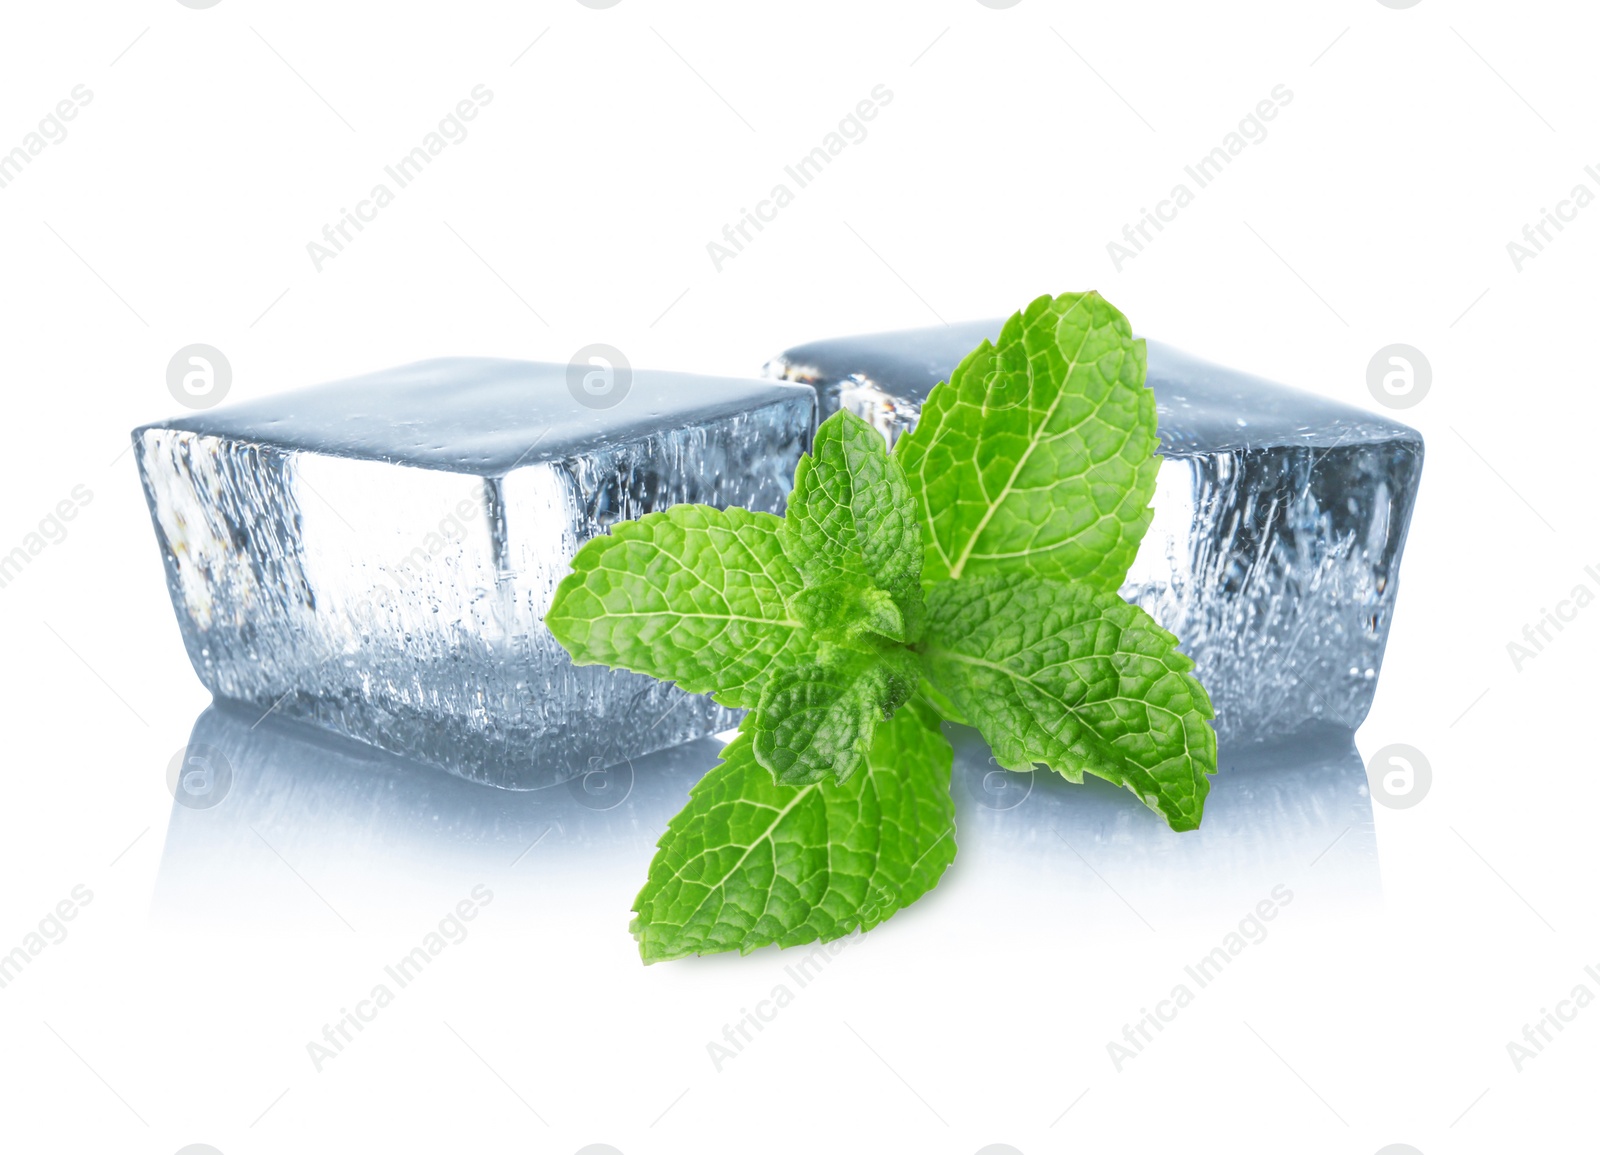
{"x":1280,"y":518}
{"x":375,"y":556}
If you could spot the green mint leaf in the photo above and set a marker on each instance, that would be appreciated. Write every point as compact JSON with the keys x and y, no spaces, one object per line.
{"x":819,"y":720}
{"x":851,"y":522}
{"x":840,"y":611}
{"x":1037,"y":457}
{"x":940,"y":703}
{"x":1079,"y":680}
{"x":692,"y":594}
{"x":749,"y":862}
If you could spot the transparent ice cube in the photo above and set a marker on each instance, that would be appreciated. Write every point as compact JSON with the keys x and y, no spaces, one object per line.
{"x":375,"y":556}
{"x":1279,"y":520}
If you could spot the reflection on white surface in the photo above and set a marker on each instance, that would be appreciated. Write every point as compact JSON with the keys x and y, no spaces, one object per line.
{"x":302,"y":831}
{"x":367,"y":833}
{"x":1300,"y":814}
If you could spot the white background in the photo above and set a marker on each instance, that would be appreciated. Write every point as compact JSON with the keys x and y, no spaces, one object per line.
{"x":1017,"y":144}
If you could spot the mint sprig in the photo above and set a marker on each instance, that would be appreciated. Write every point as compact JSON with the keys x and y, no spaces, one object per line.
{"x":970,"y":576}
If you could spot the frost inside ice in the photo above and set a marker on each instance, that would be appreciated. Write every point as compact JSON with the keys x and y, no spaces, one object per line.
{"x":374,"y":557}
{"x":1279,"y":520}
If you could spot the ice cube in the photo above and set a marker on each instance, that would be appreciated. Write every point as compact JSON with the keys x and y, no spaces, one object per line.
{"x":375,"y":556}
{"x":1279,"y":520}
